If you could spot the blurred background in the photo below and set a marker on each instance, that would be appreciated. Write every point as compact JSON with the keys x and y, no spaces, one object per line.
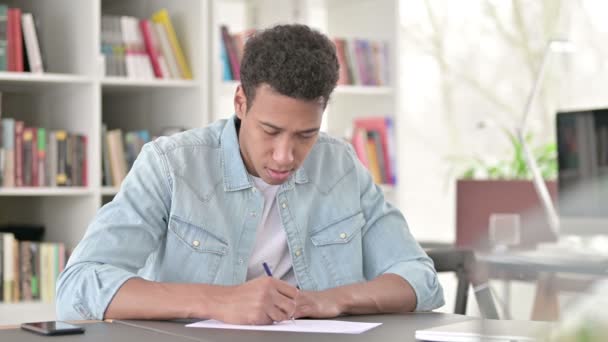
{"x":446,"y":102}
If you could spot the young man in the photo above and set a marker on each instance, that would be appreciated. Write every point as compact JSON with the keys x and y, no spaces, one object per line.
{"x":200,"y":212}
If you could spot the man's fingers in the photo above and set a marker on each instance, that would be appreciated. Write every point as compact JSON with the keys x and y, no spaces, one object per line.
{"x":286,"y":289}
{"x":276,"y":314}
{"x":285,"y":304}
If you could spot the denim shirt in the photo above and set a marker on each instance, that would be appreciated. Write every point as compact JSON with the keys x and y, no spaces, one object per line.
{"x":187,"y":212}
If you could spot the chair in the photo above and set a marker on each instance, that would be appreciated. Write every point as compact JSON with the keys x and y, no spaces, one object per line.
{"x":448,"y":258}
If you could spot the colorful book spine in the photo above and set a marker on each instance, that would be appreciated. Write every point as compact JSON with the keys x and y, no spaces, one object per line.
{"x":41,"y":161}
{"x":162,"y":17}
{"x":61,"y":177}
{"x":8,"y":144}
{"x":151,"y":47}
{"x":19,"y":126}
{"x":235,"y":63}
{"x":28,"y":156}
{"x":15,"y":40}
{"x":3,"y":37}
{"x":31,"y":43}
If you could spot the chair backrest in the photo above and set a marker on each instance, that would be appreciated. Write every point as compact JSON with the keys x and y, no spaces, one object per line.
{"x":448,"y":258}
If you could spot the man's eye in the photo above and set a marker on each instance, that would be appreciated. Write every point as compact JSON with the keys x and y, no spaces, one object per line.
{"x":308,"y":136}
{"x":271,"y":132}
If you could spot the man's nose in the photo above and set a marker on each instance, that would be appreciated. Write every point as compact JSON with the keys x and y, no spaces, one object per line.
{"x":283,"y":151}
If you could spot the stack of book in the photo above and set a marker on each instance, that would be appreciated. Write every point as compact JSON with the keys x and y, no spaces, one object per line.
{"x":231,"y":52}
{"x":37,"y":157}
{"x":119,"y":153}
{"x":363,"y":62}
{"x":373,"y":139}
{"x":19,"y":45}
{"x":142,"y":48}
{"x":29,"y":270}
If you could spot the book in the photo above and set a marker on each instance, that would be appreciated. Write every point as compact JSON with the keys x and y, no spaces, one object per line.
{"x":19,"y":126}
{"x":162,"y":17}
{"x":117,"y":156}
{"x":375,"y":136}
{"x":225,"y":61}
{"x":41,"y":160}
{"x":61,"y":177}
{"x":8,"y":242}
{"x":31,"y":43}
{"x":3,"y":37}
{"x":28,"y":156}
{"x":235,"y":63}
{"x":15,"y":40}
{"x":165,"y":48}
{"x":51,"y":159}
{"x":372,"y":159}
{"x":8,"y":143}
{"x":107,"y":174}
{"x":359,"y":142}
{"x":384,"y":126}
{"x":344,"y":77}
{"x":151,"y":47}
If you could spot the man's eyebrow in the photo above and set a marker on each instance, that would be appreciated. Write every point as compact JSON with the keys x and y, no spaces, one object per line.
{"x":309,"y":130}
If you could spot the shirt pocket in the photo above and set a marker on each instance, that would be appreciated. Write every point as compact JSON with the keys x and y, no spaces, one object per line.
{"x":339,"y":251}
{"x":195,"y":252}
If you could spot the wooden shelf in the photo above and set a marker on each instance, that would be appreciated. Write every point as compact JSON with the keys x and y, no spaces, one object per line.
{"x":46,"y":191}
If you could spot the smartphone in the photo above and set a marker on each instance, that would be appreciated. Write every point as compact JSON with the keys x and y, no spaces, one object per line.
{"x":52,"y":328}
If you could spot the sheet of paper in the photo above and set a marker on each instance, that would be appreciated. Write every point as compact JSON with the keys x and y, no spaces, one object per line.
{"x":300,"y":325}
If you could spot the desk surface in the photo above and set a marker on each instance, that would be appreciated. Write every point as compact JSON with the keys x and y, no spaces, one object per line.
{"x":394,"y":328}
{"x":543,"y":261}
{"x":95,"y":332}
{"x":400,"y":328}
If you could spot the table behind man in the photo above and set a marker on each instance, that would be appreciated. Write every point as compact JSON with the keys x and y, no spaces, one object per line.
{"x":186,"y":234}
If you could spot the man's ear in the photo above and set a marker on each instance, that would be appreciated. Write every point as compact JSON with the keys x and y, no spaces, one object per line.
{"x":240,"y":102}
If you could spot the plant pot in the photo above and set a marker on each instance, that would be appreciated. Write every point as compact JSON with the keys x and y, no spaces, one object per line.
{"x":476,"y":200}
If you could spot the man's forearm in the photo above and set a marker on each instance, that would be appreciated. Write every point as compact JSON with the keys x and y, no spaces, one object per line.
{"x":142,"y":299}
{"x":389,"y":293}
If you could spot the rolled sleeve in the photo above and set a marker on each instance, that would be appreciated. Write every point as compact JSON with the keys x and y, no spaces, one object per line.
{"x":119,"y":240}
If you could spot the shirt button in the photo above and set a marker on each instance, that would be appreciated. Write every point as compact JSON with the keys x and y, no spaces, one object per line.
{"x":253,"y":214}
{"x":343,"y":236}
{"x":254,"y":190}
{"x":240,"y":261}
{"x":283,"y":205}
{"x":196,"y":243}
{"x":298,"y":252}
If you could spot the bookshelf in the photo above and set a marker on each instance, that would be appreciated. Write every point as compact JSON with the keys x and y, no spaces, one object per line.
{"x":73,"y":93}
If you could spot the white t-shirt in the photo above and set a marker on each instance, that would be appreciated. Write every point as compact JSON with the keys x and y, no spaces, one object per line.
{"x":270,"y":240}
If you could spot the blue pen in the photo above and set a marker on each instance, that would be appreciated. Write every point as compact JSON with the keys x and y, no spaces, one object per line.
{"x":267,"y":269}
{"x":269,"y":273}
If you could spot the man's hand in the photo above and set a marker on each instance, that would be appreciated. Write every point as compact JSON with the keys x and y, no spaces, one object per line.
{"x":317,"y":304}
{"x":260,"y":301}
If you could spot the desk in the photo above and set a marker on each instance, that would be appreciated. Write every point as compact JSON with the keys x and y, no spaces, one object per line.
{"x":544,"y":267}
{"x":400,"y":328}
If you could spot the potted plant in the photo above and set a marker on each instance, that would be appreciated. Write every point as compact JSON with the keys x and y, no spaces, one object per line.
{"x":504,"y":187}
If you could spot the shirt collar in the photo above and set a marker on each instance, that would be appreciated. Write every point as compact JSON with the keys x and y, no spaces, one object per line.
{"x":235,"y":172}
